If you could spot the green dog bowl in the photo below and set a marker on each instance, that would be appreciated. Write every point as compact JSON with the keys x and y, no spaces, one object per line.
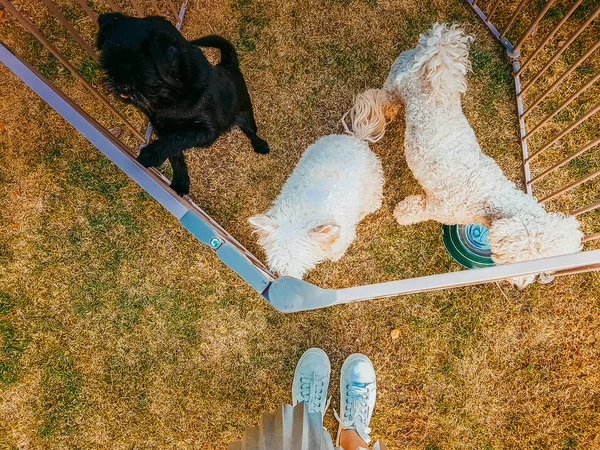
{"x":468,"y":245}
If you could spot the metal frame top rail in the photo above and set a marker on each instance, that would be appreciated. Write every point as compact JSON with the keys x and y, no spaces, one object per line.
{"x":190,"y":215}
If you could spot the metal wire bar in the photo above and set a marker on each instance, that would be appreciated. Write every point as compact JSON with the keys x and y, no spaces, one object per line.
{"x":557,"y":83}
{"x":574,"y":125}
{"x":155,"y":6}
{"x":520,"y":6}
{"x":576,"y":270}
{"x":91,"y":14}
{"x":585,"y":209}
{"x":533,"y":25}
{"x":561,"y":50}
{"x":173,"y":10}
{"x":573,"y":185}
{"x":539,"y":48}
{"x":112,"y":6}
{"x":493,"y":10}
{"x":72,"y":31}
{"x":558,"y":165}
{"x":477,"y":10}
{"x":591,"y":237}
{"x":33,"y":30}
{"x":137,"y":7}
{"x":563,"y":104}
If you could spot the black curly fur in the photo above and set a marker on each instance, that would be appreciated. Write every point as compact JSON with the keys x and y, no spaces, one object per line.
{"x":189,"y":102}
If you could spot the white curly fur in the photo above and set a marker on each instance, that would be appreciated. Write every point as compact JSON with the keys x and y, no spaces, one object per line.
{"x":337,"y":182}
{"x":461,"y":184}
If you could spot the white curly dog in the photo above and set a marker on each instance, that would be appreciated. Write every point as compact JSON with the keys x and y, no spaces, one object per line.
{"x":337,"y":182}
{"x":462,"y":185}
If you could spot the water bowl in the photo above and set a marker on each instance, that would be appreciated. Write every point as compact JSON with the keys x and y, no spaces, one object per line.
{"x":468,"y":245}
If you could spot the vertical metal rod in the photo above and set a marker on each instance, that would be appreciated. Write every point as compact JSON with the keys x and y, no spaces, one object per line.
{"x":33,"y":30}
{"x":522,"y":130}
{"x":570,"y":128}
{"x":137,"y":7}
{"x":493,"y":10}
{"x":562,"y":49}
{"x":558,"y":82}
{"x":72,"y":31}
{"x":539,"y":48}
{"x":561,"y":163}
{"x":92,"y":15}
{"x":585,"y":209}
{"x":174,"y":10}
{"x":559,"y":108}
{"x":533,"y":25}
{"x":520,"y":6}
{"x":573,"y":185}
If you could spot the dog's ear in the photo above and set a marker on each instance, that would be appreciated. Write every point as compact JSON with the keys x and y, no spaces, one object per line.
{"x":106,"y":23}
{"x":166,"y":57}
{"x":325,"y":235}
{"x":263,"y":225}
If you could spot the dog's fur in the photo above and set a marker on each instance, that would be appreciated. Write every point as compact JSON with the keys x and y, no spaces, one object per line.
{"x":461,"y":184}
{"x":337,"y":182}
{"x":188,"y":101}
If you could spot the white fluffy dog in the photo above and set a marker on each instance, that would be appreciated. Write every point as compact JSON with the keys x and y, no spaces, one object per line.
{"x":337,"y":182}
{"x":461,"y":184}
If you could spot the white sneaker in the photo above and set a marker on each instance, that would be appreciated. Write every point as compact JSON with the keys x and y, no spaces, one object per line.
{"x":311,"y":380}
{"x":357,"y":396}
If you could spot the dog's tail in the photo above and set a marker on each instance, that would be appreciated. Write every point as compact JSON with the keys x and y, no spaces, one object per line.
{"x":443,"y":59}
{"x":229,"y":56}
{"x":367,"y":116}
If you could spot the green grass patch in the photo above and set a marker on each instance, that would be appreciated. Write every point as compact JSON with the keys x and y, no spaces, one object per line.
{"x":6,"y":254}
{"x":89,"y":69}
{"x":6,"y":303}
{"x":252,"y":21}
{"x":344,"y":62}
{"x":88,"y":176}
{"x":581,"y":166}
{"x":14,"y":344}
{"x":61,"y":388}
{"x":53,"y":150}
{"x":494,"y":74}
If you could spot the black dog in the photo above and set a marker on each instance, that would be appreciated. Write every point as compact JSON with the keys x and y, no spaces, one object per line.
{"x":189,"y":101}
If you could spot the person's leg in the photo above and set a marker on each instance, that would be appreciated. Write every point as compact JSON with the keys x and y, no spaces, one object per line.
{"x":350,"y":440}
{"x":300,"y":426}
{"x":357,"y":399}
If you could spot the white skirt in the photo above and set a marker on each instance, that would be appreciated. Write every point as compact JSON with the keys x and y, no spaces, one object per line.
{"x":291,"y":428}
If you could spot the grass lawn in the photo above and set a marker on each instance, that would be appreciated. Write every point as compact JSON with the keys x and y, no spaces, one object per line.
{"x":118,"y":330}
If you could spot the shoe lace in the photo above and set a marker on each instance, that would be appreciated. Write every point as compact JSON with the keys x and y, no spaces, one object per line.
{"x":311,"y":390}
{"x":356,"y":412}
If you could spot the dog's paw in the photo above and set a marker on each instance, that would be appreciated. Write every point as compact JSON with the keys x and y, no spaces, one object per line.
{"x":260,"y":146}
{"x":181,"y":188}
{"x":148,"y":158}
{"x":410,"y":210}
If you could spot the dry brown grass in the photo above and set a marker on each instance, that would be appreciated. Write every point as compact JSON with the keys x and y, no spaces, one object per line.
{"x":118,"y":330}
